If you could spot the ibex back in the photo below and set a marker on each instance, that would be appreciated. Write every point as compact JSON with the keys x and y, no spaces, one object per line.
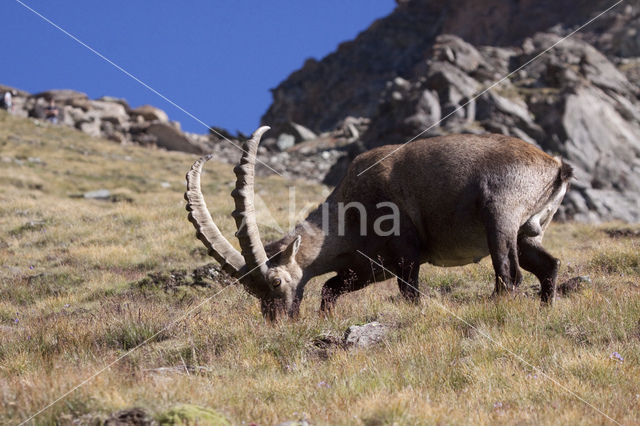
{"x":451,"y":200}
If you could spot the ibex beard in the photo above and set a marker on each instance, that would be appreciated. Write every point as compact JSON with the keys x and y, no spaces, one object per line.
{"x":448,"y":201}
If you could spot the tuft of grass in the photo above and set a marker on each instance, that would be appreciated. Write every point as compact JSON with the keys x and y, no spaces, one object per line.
{"x":618,"y":261}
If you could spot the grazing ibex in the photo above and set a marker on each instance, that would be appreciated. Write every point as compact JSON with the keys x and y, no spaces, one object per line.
{"x":452,"y":199}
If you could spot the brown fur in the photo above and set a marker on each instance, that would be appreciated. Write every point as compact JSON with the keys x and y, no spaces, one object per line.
{"x":460,"y":198}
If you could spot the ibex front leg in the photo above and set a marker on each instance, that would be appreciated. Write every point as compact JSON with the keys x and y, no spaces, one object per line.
{"x":342,"y":283}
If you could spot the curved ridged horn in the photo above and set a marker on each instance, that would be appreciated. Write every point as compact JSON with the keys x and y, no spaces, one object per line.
{"x":220,"y":248}
{"x":245,"y":213}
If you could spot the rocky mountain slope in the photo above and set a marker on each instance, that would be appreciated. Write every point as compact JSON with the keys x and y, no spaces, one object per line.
{"x":421,"y":68}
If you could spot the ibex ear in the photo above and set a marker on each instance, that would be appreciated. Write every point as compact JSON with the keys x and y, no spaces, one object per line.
{"x":290,"y":252}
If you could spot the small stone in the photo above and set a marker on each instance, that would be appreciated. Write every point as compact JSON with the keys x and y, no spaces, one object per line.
{"x":295,"y":423}
{"x":573,"y":285}
{"x":366,"y":335}
{"x":99,"y":194}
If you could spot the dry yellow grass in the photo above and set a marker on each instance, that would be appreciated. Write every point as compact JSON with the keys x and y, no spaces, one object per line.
{"x":70,"y":305}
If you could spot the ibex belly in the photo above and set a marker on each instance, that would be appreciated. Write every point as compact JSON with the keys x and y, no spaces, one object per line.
{"x":469,"y":245}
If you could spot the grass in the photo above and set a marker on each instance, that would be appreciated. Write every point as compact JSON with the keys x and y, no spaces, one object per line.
{"x":73,"y":298}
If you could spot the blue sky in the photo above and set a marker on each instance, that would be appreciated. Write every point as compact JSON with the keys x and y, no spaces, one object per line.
{"x":216,"y":59}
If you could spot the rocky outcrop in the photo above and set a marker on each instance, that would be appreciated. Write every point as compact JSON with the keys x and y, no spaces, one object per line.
{"x":348,"y":82}
{"x":578,"y":99}
{"x":571,"y":101}
{"x":108,"y":117}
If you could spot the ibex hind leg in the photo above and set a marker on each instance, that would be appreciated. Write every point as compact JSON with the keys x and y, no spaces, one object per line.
{"x":535,"y":259}
{"x":503,"y":247}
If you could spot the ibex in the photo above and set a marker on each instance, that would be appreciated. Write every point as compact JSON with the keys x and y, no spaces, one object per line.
{"x":457,"y":199}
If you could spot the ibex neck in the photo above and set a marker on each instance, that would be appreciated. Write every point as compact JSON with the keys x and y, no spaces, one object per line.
{"x":318,"y":246}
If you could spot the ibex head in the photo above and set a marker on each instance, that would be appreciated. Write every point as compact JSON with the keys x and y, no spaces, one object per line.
{"x":272,"y":277}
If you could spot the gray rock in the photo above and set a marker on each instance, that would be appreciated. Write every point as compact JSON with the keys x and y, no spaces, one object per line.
{"x":458,"y":52}
{"x":112,"y":99}
{"x":91,"y":128}
{"x":295,"y":423}
{"x":62,"y":96}
{"x":17,"y":92}
{"x":452,"y":84}
{"x":285,"y":141}
{"x":366,"y":335}
{"x":170,"y":138}
{"x":300,"y":132}
{"x":109,"y":111}
{"x":99,"y":194}
{"x":150,"y":113}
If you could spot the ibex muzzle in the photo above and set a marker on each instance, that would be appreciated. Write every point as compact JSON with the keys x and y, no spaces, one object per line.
{"x":458,"y":198}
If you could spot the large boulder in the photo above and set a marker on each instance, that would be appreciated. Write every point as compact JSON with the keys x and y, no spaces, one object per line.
{"x":16,"y":92}
{"x":62,"y":96}
{"x":170,"y":138}
{"x":112,"y":99}
{"x":113,"y":112}
{"x":150,"y":113}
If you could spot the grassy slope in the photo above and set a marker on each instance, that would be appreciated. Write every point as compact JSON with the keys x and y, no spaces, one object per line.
{"x":69,"y":305}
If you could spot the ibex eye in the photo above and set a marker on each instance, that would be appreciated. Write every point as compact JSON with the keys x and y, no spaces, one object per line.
{"x":276,"y":282}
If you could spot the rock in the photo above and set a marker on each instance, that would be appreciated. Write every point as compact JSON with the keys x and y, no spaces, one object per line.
{"x":130,"y":417}
{"x":453,"y":49}
{"x":92,"y":127}
{"x":295,"y":423}
{"x":174,"y":140}
{"x":623,"y":233}
{"x":122,"y":194}
{"x":366,"y":335}
{"x":112,"y":99}
{"x":144,"y":139}
{"x":109,"y":111}
{"x":17,"y":92}
{"x":323,"y":345}
{"x":188,"y":415}
{"x":62,"y":96}
{"x":452,"y":84}
{"x":75,"y":115}
{"x":576,"y":56}
{"x":300,"y":132}
{"x":99,"y":194}
{"x":150,"y":113}
{"x":220,"y":133}
{"x":573,"y":285}
{"x":285,"y":141}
